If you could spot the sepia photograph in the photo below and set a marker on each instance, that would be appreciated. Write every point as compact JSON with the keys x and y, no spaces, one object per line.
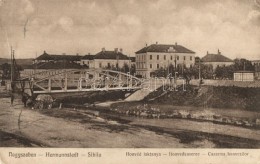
{"x":130,"y":74}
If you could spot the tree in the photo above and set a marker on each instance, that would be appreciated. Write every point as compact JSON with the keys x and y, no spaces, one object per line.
{"x":6,"y":71}
{"x":207,"y":71}
{"x":125,"y":68}
{"x":224,"y":72}
{"x":132,"y":69}
{"x":161,"y":72}
{"x":243,"y":64}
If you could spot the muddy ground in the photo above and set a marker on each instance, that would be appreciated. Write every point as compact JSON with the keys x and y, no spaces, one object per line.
{"x":69,"y":127}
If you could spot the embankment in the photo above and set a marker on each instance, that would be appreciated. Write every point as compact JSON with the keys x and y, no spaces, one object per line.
{"x":209,"y":96}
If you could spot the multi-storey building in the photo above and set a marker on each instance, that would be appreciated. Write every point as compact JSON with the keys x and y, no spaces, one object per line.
{"x":106,"y":59}
{"x":156,"y":56}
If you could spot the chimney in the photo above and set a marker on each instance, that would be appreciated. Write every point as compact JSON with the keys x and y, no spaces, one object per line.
{"x":103,"y":49}
{"x":175,"y":43}
{"x":77,"y":54}
{"x":145,"y":44}
{"x":116,"y":50}
{"x":207,"y":52}
{"x":121,"y":50}
{"x":44,"y":52}
{"x":63,"y":53}
{"x":156,"y":42}
{"x":219,"y":52}
{"x":89,"y":53}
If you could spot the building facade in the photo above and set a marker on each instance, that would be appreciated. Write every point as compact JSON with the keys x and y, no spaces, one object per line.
{"x":156,"y":56}
{"x":107,"y":59}
{"x":216,"y":60}
{"x":88,"y":61}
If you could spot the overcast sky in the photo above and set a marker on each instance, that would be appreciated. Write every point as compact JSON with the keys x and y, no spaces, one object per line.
{"x":85,"y":26}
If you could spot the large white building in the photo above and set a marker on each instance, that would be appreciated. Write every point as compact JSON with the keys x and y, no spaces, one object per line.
{"x":156,"y":56}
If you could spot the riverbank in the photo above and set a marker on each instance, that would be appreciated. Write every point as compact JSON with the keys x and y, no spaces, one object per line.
{"x":74,"y":127}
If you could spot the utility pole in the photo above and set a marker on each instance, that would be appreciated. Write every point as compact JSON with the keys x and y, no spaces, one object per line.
{"x":35,"y":63}
{"x":11,"y":64}
{"x":168,"y":71}
{"x":175,"y":70}
{"x":199,"y":70}
{"x":117,"y":64}
{"x":182,"y":68}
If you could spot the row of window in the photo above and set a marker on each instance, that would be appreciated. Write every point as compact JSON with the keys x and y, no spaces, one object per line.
{"x":143,"y":65}
{"x":142,"y":57}
{"x":108,"y":65}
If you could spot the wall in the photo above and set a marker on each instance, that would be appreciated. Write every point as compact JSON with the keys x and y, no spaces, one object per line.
{"x":243,"y":76}
{"x":106,"y":62}
{"x":145,"y":64}
{"x":216,"y":64}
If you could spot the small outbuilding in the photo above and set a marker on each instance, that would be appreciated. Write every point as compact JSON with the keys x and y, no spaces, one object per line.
{"x":244,"y":76}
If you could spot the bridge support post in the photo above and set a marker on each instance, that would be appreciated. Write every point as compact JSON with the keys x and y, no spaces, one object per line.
{"x":119,"y":80}
{"x":80,"y":84}
{"x":66,"y":82}
{"x":49,"y":85}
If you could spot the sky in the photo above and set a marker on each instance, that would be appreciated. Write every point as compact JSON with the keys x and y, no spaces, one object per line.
{"x":87,"y":26}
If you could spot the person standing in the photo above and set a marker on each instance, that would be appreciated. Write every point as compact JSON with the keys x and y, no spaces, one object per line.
{"x":24,"y":99}
{"x":12,"y":98}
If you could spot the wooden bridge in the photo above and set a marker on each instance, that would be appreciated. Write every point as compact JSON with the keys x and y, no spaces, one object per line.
{"x":77,"y":80}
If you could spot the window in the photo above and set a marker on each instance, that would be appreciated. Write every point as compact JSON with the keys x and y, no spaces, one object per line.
{"x":157,"y":57}
{"x":191,"y":58}
{"x":164,"y":57}
{"x":151,"y":57}
{"x":151,"y":66}
{"x":100,"y":65}
{"x":171,"y":57}
{"x":158,"y":66}
{"x":184,"y":57}
{"x":177,"y":57}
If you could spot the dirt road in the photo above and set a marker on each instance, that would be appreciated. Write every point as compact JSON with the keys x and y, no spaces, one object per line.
{"x":77,"y":128}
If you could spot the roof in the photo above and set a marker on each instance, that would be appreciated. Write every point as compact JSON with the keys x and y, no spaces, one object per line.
{"x":215,"y":58}
{"x":88,"y":57}
{"x":164,"y":48}
{"x":46,"y":56}
{"x":111,"y":55}
{"x":57,"y":65}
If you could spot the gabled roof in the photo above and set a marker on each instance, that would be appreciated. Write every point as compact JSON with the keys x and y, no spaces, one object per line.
{"x":67,"y":57}
{"x":111,"y":55}
{"x":88,"y":57}
{"x":164,"y":48}
{"x":215,"y":58}
{"x":46,"y":56}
